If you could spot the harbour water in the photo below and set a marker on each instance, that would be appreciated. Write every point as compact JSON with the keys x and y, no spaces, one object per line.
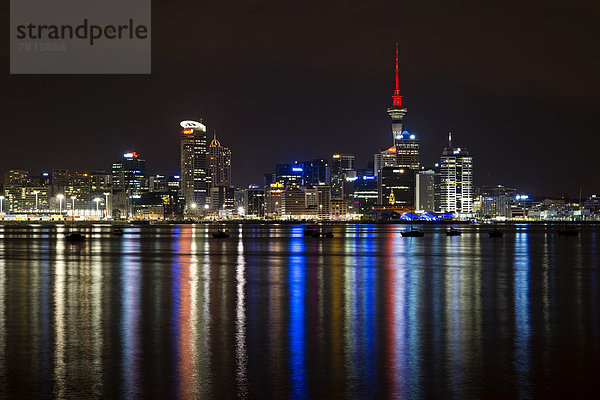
{"x":169,"y":312}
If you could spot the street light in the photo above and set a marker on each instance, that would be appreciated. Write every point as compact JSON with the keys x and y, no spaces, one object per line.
{"x":106,"y":203}
{"x":73,"y":207}
{"x":206,"y":206}
{"x":60,"y":198}
{"x":97,"y":200}
{"x":36,"y":199}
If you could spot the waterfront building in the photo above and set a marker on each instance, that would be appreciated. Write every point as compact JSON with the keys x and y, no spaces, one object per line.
{"x":274,"y":201}
{"x":342,"y":169}
{"x":456,"y":180}
{"x":339,"y":209}
{"x":365,"y":194}
{"x":195,"y":179}
{"x":425,"y":191}
{"x":494,"y":201}
{"x":254,"y":202}
{"x":396,"y":188}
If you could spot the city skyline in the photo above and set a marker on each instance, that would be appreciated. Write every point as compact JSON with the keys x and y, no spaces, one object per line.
{"x":302,"y":100}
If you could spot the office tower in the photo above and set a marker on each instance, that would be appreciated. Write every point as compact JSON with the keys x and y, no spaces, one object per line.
{"x":269,"y":179}
{"x":425,"y":191}
{"x":195,"y":178}
{"x":219,"y":164}
{"x":16,"y":177}
{"x":323,"y":201}
{"x":365,"y":192}
{"x":396,"y":188}
{"x":274,"y":201}
{"x":320,"y":173}
{"x":494,"y":200}
{"x":342,"y":167}
{"x":221,"y":198}
{"x":456,"y":180}
{"x":254,"y":202}
{"x":293,"y":202}
{"x":129,"y":173}
{"x":407,"y":151}
{"x":385,"y":158}
{"x":291,"y":174}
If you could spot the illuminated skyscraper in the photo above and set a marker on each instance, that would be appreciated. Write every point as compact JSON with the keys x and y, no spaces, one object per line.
{"x":456,"y":180}
{"x":219,"y":164}
{"x":128,"y":173}
{"x":195,"y":177}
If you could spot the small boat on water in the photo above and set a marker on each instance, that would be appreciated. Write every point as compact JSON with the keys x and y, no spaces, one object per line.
{"x":118,"y":232}
{"x":221,"y":234}
{"x":453,"y":232}
{"x":496,"y":233}
{"x":412,"y":233}
{"x":75,"y":237}
{"x":318,"y":233}
{"x":310,"y":231}
{"x":568,"y":231}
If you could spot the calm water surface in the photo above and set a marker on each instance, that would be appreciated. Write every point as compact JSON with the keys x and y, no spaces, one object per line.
{"x":167,"y":312}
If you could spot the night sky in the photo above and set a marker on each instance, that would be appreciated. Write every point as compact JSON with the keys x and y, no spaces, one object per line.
{"x":518,"y":85}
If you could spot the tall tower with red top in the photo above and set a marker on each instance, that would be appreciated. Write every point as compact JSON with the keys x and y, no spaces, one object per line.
{"x":397,"y":111}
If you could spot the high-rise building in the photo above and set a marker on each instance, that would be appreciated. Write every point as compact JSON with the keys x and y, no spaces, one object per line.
{"x":320,"y":173}
{"x":425,"y":191}
{"x":407,"y":151}
{"x":456,"y":180}
{"x":15,"y":177}
{"x":254,"y":202}
{"x":385,"y":158}
{"x":195,"y":179}
{"x":494,"y":200}
{"x":397,"y":187}
{"x":365,"y":192}
{"x":342,"y":167}
{"x":129,"y":173}
{"x":219,"y":164}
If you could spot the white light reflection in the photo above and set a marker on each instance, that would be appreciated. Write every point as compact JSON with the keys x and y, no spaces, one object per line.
{"x":59,"y":319}
{"x":522,"y":357}
{"x":130,"y":317}
{"x":241,"y":354}
{"x":2,"y":313}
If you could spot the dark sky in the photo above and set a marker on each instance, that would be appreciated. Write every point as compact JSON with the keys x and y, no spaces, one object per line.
{"x":517,"y":84}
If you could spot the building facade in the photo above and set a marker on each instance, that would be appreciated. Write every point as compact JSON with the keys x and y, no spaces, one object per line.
{"x":195,"y":179}
{"x":456,"y":180}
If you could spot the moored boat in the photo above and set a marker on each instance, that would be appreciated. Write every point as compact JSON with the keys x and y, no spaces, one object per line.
{"x":452,"y":232}
{"x":75,"y":237}
{"x":412,"y":233}
{"x":221,"y":234}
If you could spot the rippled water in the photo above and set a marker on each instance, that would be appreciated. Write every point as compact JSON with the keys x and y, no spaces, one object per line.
{"x":167,"y":312}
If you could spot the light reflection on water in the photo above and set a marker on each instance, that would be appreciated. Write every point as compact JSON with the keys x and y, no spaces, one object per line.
{"x":169,"y":312}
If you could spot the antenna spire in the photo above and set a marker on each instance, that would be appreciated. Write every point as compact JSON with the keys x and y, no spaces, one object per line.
{"x":450,"y":140}
{"x":396,"y":98}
